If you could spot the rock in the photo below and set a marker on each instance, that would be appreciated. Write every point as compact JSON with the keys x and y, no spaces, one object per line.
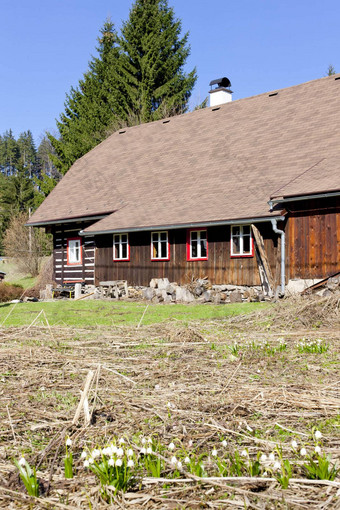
{"x":171,"y":288}
{"x":149,"y":293}
{"x":333,"y":283}
{"x":230,"y":287}
{"x":220,"y":288}
{"x":216,"y":299}
{"x":166,"y":297}
{"x":162,"y":283}
{"x":48,"y":291}
{"x":223,"y":296}
{"x":183,"y":294}
{"x":235,"y":297}
{"x":153,"y":283}
{"x":42,"y":294}
{"x":207,"y":296}
{"x":198,"y":290}
{"x":251,"y":295}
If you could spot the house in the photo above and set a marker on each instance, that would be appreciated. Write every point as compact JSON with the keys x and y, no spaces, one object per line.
{"x":181,"y":197}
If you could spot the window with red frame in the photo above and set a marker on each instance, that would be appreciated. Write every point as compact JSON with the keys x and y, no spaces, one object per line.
{"x":197,"y":245}
{"x":74,"y":254}
{"x":121,"y":248}
{"x":160,"y":246}
{"x":241,"y":244}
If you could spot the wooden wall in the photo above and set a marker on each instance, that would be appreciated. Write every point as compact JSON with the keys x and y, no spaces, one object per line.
{"x":314,"y":238}
{"x":219,"y":268}
{"x":64,"y":272}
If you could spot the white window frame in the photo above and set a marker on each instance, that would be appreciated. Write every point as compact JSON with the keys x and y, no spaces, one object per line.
{"x":74,"y":247}
{"x":159,"y":243}
{"x":241,"y":237}
{"x":199,"y":254}
{"x":120,"y":244}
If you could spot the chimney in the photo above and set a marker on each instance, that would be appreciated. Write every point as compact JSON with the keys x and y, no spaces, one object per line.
{"x":222,"y":93}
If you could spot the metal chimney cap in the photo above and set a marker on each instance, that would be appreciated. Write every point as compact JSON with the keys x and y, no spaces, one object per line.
{"x":221,"y":82}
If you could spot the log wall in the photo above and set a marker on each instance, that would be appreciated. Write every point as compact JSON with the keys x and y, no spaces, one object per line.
{"x":314,"y":238}
{"x":219,"y":268}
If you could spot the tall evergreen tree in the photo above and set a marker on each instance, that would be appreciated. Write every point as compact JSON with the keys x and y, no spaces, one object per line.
{"x":9,"y":153}
{"x":154,"y":55}
{"x":28,"y":152}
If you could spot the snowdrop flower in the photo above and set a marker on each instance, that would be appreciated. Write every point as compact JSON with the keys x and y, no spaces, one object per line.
{"x":86,"y":463}
{"x":272,"y":457}
{"x":68,"y":441}
{"x":121,"y":441}
{"x":294,"y":444}
{"x":111,"y":462}
{"x":303,"y":452}
{"x":224,"y":443}
{"x":186,"y":460}
{"x":317,"y":449}
{"x":143,"y":451}
{"x":169,"y":405}
{"x":244,"y":453}
{"x":83,"y":454}
{"x":173,"y":460}
{"x":149,"y":440}
{"x":22,"y":461}
{"x":130,"y":452}
{"x":249,"y":428}
{"x":214,"y":452}
{"x":179,"y":464}
{"x":120,"y":452}
{"x":318,"y":434}
{"x":190,"y":443}
{"x":171,"y":446}
{"x":107,"y":451}
{"x":130,"y":463}
{"x":263,"y":457}
{"x":119,"y":462}
{"x":90,"y":461}
{"x":143,"y":440}
{"x":114,"y":448}
{"x":276,"y":466}
{"x":95,"y":453}
{"x":149,"y":451}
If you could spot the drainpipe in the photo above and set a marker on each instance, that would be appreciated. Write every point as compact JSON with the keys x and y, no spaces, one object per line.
{"x":283,"y":261}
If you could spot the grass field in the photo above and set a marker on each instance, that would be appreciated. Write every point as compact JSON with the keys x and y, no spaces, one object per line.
{"x":13,"y":275}
{"x":242,"y":410}
{"x":108,"y":313}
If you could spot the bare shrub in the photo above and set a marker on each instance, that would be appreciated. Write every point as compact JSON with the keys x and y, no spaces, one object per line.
{"x":26,"y":245}
{"x":10,"y":291}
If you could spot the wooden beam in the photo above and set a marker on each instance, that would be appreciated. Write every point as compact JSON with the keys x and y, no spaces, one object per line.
{"x":266,"y":276}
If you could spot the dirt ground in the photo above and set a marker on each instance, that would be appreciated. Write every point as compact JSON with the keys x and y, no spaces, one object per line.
{"x":256,"y":382}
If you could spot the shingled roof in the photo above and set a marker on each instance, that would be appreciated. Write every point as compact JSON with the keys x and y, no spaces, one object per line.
{"x":211,"y":165}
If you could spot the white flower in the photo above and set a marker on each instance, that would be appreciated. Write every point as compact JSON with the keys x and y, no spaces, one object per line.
{"x":276,"y":466}
{"x":318,"y":450}
{"x":179,"y":464}
{"x":119,"y":462}
{"x":187,"y":460}
{"x":214,"y":452}
{"x":86,"y":463}
{"x":272,"y":457}
{"x":263,"y":457}
{"x":149,"y":451}
{"x":224,"y":443}
{"x":318,"y":434}
{"x":120,"y":452}
{"x":130,"y":463}
{"x":244,"y":453}
{"x":111,"y":462}
{"x":171,"y":446}
{"x":149,"y":440}
{"x":121,"y":441}
{"x":190,"y":443}
{"x":294,"y":444}
{"x":22,"y":461}
{"x":83,"y":454}
{"x":143,"y":451}
{"x":169,"y":405}
{"x":95,"y":453}
{"x":107,"y":451}
{"x":130,"y":452}
{"x":249,"y":428}
{"x":143,"y":440}
{"x":90,"y":461}
{"x":114,"y":448}
{"x":68,"y":441}
{"x":173,"y":460}
{"x":303,"y":452}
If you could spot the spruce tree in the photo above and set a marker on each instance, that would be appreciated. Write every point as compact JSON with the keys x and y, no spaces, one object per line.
{"x":154,"y":55}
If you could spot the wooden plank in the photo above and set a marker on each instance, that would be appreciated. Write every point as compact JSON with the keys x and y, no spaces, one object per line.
{"x":264,"y":267}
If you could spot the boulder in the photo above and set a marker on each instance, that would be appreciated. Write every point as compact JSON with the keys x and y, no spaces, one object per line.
{"x":153,"y":283}
{"x":149,"y":293}
{"x":184,"y":295}
{"x":206,"y":296}
{"x":171,"y":288}
{"x":162,"y":283}
{"x":235,"y":297}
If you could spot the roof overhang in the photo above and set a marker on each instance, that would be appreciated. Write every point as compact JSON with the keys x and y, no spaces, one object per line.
{"x":296,"y":198}
{"x":68,"y":220}
{"x":237,"y":221}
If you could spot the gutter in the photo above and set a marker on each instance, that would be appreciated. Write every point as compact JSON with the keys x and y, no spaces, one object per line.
{"x":283,"y":256}
{"x":245,"y":221}
{"x":296,"y":198}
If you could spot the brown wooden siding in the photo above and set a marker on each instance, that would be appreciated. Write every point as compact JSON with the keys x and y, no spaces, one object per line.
{"x":219,"y":268}
{"x":64,"y":272}
{"x":314,"y":238}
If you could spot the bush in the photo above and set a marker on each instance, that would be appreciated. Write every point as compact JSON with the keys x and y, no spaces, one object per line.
{"x":10,"y":291}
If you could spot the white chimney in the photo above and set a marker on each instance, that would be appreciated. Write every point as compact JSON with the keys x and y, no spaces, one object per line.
{"x":222,"y":93}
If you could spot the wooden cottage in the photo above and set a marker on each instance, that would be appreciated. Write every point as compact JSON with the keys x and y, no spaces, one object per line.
{"x":201,"y":193}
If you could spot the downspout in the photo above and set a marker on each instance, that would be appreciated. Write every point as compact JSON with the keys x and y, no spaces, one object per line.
{"x":283,"y":256}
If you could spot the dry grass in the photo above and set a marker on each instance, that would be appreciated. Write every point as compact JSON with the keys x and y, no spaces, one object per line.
{"x":216,"y":390}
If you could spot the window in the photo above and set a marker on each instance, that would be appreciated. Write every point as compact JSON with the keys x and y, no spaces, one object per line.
{"x":74,"y":253}
{"x":197,"y":245}
{"x":241,"y":242}
{"x":160,"y":246}
{"x":121,"y":248}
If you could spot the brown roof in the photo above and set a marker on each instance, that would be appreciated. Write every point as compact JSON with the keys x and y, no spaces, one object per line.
{"x":209,"y":165}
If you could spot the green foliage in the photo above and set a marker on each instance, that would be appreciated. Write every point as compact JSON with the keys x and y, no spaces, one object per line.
{"x":312,"y":346}
{"x":28,"y":476}
{"x":320,"y":468}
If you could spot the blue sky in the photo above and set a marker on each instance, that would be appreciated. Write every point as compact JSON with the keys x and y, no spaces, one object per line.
{"x":260,"y":45}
